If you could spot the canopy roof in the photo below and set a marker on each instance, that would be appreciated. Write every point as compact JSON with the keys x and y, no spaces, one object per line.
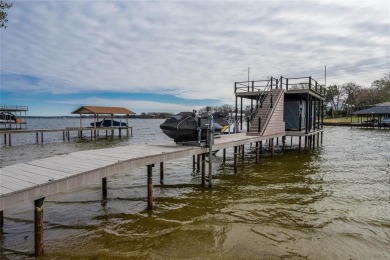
{"x":102,"y":110}
{"x":377,"y":110}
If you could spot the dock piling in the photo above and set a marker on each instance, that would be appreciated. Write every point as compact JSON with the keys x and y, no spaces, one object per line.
{"x":193,"y":162}
{"x":235,"y":159}
{"x":203,"y":170}
{"x":104,"y":191}
{"x":224,"y":155}
{"x":1,"y":222}
{"x":150,"y":187}
{"x":257,"y":152}
{"x":161,"y":173}
{"x":38,"y":226}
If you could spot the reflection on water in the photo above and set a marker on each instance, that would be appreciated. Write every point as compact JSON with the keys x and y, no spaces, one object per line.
{"x":331,"y":204}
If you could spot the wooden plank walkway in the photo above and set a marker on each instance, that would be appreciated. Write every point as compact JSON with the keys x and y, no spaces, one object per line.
{"x":66,"y":132}
{"x":37,"y":179}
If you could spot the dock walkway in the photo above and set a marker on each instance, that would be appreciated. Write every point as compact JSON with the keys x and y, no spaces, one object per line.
{"x":66,"y":132}
{"x":33,"y":181}
{"x":41,"y":178}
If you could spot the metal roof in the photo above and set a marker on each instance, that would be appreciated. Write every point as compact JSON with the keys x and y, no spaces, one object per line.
{"x":102,"y":110}
{"x":377,"y":110}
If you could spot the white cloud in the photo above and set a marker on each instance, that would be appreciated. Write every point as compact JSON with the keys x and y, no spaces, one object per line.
{"x":137,"y":106}
{"x":191,"y":49}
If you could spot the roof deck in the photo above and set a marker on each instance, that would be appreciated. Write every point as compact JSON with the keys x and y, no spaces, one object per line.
{"x":301,"y":85}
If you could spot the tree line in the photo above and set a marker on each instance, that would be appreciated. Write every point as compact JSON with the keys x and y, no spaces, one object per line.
{"x":350,"y":97}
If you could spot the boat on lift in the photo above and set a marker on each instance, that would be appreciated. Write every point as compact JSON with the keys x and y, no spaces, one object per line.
{"x":183,"y":127}
{"x":6,"y":117}
{"x":107,"y":123}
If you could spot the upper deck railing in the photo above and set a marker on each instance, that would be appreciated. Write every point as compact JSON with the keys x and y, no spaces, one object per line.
{"x":13,"y":108}
{"x":301,"y":83}
{"x":255,"y":85}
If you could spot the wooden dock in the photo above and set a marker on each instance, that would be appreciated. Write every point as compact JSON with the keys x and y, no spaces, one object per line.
{"x":33,"y":181}
{"x":94,"y":132}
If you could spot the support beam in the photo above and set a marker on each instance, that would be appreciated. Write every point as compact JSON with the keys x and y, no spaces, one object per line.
{"x":104,"y":191}
{"x":198,"y":162}
{"x":300,"y":142}
{"x":161,"y":173}
{"x":150,"y":187}
{"x":1,"y":222}
{"x":38,"y":226}
{"x":224,"y":155}
{"x":203,"y":170}
{"x":284,"y":143}
{"x":257,"y":152}
{"x":272,"y":147}
{"x":193,"y":162}
{"x":235,"y":159}
{"x":243,"y":151}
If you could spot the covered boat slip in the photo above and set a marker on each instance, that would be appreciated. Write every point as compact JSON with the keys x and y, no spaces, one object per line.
{"x":97,"y":110}
{"x":13,"y":117}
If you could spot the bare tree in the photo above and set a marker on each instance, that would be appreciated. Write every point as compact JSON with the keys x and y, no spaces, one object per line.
{"x":3,"y":14}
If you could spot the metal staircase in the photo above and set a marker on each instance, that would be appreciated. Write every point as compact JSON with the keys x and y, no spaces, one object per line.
{"x":263,"y":111}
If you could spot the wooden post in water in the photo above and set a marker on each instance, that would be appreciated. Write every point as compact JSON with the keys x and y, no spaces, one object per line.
{"x":150,"y":187}
{"x":300,"y":141}
{"x":38,"y":226}
{"x":243,"y":152}
{"x":261,"y":146}
{"x":235,"y":159}
{"x":104,"y":191}
{"x":321,"y":136}
{"x":272,"y":147}
{"x":318,"y":139}
{"x":193,"y":162}
{"x":161,"y":173}
{"x":284,"y":143}
{"x":305,"y":143}
{"x":42,"y":137}
{"x":1,"y":222}
{"x":203,"y":170}
{"x":198,"y":162}
{"x":9,"y":139}
{"x":224,"y":155}
{"x":36,"y":137}
{"x":257,"y":152}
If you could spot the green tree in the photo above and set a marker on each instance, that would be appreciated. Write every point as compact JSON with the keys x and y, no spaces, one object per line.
{"x":383,"y":87}
{"x":350,"y":92}
{"x":3,"y":14}
{"x":334,"y":97}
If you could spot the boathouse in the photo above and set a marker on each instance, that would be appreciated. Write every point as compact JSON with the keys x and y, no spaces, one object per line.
{"x":285,"y":106}
{"x":13,"y":117}
{"x":373,"y":116}
{"x":97,"y":111}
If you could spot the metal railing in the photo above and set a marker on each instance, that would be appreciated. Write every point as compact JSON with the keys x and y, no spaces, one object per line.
{"x":302,"y":83}
{"x":255,"y":85}
{"x":13,"y":108}
{"x":283,"y":83}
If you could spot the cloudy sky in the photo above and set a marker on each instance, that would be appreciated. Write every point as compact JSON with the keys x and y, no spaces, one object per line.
{"x":179,"y":55}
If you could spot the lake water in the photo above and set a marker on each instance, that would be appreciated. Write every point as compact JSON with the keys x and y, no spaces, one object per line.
{"x":333,"y":203}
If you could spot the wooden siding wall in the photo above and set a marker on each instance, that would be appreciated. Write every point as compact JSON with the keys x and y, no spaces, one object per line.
{"x":276,"y":123}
